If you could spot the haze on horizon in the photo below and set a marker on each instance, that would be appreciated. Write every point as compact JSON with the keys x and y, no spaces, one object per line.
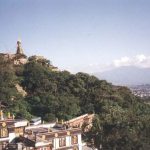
{"x":79,"y":35}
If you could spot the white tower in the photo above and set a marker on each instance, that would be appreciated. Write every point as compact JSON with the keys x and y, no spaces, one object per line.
{"x":19,"y":48}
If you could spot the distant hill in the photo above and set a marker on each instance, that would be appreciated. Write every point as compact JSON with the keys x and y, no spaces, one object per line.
{"x":126,"y":75}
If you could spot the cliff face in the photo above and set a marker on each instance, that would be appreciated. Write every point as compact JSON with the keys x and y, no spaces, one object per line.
{"x":21,"y":90}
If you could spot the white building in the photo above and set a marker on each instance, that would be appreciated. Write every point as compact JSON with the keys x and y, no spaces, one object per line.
{"x":10,"y":129}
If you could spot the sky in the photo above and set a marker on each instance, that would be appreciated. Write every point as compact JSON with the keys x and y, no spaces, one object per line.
{"x":79,"y":35}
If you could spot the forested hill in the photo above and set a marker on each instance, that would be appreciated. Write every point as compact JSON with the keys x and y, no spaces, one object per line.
{"x":64,"y":95}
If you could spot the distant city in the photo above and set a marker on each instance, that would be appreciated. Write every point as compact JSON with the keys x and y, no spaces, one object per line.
{"x":142,"y":91}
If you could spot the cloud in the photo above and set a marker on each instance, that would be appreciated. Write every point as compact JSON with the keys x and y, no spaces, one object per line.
{"x":140,"y":58}
{"x":124,"y":61}
{"x":138,"y":61}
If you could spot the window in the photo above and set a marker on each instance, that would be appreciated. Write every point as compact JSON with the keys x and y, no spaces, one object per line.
{"x":74,"y":139}
{"x":3,"y":132}
{"x":62,"y":142}
{"x":19,"y":131}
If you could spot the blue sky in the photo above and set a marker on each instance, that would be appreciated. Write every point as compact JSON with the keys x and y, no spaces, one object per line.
{"x":78,"y":35}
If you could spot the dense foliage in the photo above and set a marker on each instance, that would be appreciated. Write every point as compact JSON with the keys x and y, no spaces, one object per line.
{"x":122,"y":120}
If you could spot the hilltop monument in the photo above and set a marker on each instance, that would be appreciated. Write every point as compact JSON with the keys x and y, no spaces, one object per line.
{"x":18,"y":58}
{"x":19,"y":48}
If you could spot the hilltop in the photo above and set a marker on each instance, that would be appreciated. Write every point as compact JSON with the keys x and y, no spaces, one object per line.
{"x":19,"y":58}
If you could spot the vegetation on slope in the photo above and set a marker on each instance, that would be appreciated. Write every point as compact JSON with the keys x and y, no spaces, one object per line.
{"x":122,"y":120}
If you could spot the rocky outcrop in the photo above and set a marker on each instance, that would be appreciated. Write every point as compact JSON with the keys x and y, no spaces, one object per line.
{"x":21,"y":90}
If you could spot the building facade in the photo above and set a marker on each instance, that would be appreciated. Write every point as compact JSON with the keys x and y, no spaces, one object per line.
{"x":43,"y":138}
{"x":10,"y":129}
{"x":20,"y":135}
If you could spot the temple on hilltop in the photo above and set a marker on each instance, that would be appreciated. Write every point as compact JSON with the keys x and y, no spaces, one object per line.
{"x":18,"y":58}
{"x":19,"y":48}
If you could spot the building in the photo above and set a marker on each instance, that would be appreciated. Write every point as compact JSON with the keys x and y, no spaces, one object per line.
{"x":79,"y":121}
{"x":36,"y":121}
{"x":18,"y":58}
{"x":21,"y":135}
{"x":9,"y":129}
{"x":44,"y":137}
